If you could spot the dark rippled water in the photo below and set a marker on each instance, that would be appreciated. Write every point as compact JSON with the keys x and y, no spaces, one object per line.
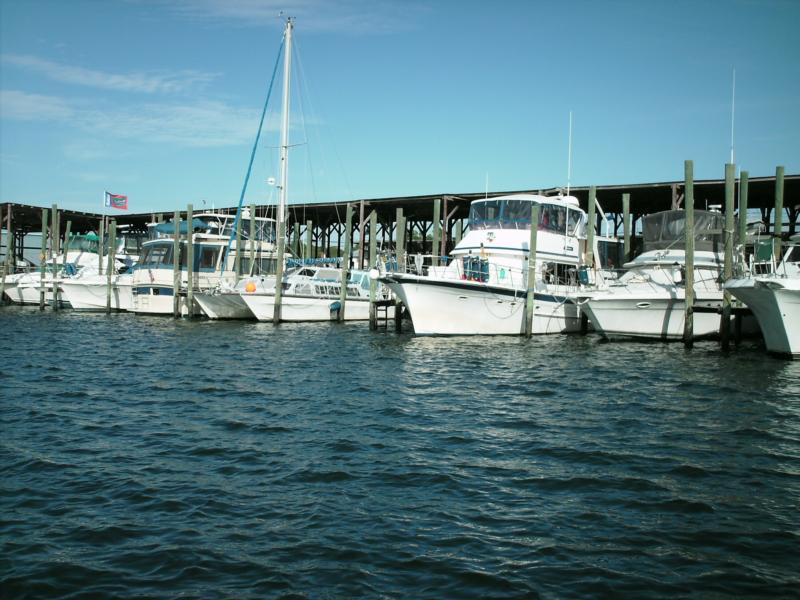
{"x":146,"y":457}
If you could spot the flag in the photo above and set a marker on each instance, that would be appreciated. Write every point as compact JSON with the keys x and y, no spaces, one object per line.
{"x":116,"y":201}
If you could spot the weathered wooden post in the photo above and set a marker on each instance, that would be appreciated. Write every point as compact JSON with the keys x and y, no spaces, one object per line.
{"x":437,"y":211}
{"x":176,"y":265}
{"x":237,"y":261}
{"x":112,"y":245}
{"x":43,"y":258}
{"x":348,"y":224}
{"x":309,"y":252}
{"x":688,"y":203}
{"x":7,"y":263}
{"x":296,"y":239}
{"x":189,"y":261}
{"x":373,"y":258}
{"x":55,"y":245}
{"x":459,"y":232}
{"x":778,"y":229}
{"x":100,"y":243}
{"x":727,"y":268}
{"x":400,"y":240}
{"x":530,"y":296}
{"x":590,"y":230}
{"x":252,"y":270}
{"x":67,"y":233}
{"x":626,"y":227}
{"x":744,"y":182}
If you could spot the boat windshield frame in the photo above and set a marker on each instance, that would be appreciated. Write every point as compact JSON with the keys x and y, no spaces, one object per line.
{"x":515,"y":213}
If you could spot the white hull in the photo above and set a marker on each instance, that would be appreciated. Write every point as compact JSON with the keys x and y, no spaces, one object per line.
{"x":650,"y":316}
{"x":159,"y":304}
{"x":305,"y":308}
{"x":224,"y":306}
{"x":775,"y":302}
{"x":90,"y":293}
{"x":444,"y":307}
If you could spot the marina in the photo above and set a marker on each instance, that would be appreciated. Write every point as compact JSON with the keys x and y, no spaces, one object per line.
{"x":450,"y":373}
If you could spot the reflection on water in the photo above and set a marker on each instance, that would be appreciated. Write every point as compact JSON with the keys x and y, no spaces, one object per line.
{"x":147,"y":456}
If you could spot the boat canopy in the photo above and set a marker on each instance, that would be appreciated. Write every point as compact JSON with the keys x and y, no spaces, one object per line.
{"x":665,"y":230}
{"x":169,"y":228}
{"x":515,"y":213}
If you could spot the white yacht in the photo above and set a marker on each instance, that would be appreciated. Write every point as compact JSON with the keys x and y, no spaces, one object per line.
{"x":215,"y":258}
{"x":88,"y":291}
{"x":309,"y":293}
{"x":774,"y":299}
{"x":648,"y":300}
{"x":81,"y":256}
{"x":484,"y":287}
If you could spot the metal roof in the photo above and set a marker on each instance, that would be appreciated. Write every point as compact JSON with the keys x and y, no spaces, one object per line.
{"x":645,"y":198}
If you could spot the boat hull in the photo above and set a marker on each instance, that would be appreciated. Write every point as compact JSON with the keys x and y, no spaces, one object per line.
{"x":444,"y":307}
{"x":224,"y":306}
{"x":776,"y":306}
{"x":90,"y":294}
{"x":305,"y":308}
{"x":650,"y":316}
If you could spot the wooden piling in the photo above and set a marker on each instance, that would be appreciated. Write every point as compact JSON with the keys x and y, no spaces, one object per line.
{"x":252,"y":234}
{"x":778,"y":228}
{"x":189,"y":261}
{"x":744,"y":181}
{"x":5,"y":265}
{"x":348,"y":224}
{"x":55,"y":245}
{"x":237,"y":261}
{"x":688,"y":203}
{"x":65,"y":249}
{"x":530,"y":296}
{"x":626,"y":227}
{"x":309,"y":252}
{"x":176,"y":265}
{"x":590,"y":229}
{"x":43,"y":258}
{"x":295,"y":245}
{"x":9,"y":258}
{"x":100,"y":239}
{"x":110,"y":261}
{"x":400,"y":240}
{"x":727,"y":269}
{"x":437,"y":210}
{"x":459,"y":232}
{"x":373,"y":258}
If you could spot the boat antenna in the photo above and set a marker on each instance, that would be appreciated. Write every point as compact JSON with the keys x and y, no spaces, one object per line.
{"x":733,"y":112}
{"x":569,"y":154}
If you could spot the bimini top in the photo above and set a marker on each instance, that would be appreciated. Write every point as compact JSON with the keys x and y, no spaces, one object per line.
{"x":560,"y":214}
{"x":665,"y":230}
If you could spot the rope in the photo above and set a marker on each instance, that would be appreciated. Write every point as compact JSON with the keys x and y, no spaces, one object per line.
{"x":252,"y":158}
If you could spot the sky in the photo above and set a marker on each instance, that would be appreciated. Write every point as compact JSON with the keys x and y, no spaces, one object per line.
{"x":160,"y":100}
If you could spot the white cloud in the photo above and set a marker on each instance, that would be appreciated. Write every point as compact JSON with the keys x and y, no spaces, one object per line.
{"x":201,"y":124}
{"x":142,"y":82}
{"x":33,"y":107}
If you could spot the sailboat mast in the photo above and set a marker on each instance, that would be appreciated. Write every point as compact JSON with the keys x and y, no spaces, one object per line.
{"x":287,"y":67}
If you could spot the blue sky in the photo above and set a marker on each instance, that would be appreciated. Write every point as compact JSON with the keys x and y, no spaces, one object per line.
{"x":160,"y":99}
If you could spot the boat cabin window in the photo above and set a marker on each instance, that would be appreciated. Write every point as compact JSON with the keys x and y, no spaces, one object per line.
{"x":553,"y":218}
{"x":574,"y":219}
{"x":559,"y":273}
{"x":206,"y":257}
{"x":156,"y":255}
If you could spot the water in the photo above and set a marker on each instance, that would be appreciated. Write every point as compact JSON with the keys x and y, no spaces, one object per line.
{"x":160,"y":458}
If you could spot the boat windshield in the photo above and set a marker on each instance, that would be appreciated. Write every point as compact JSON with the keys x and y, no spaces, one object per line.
{"x":666,"y":230}
{"x":83,"y":243}
{"x":516,"y":214}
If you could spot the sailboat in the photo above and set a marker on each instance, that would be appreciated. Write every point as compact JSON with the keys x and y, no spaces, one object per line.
{"x":306,"y":292}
